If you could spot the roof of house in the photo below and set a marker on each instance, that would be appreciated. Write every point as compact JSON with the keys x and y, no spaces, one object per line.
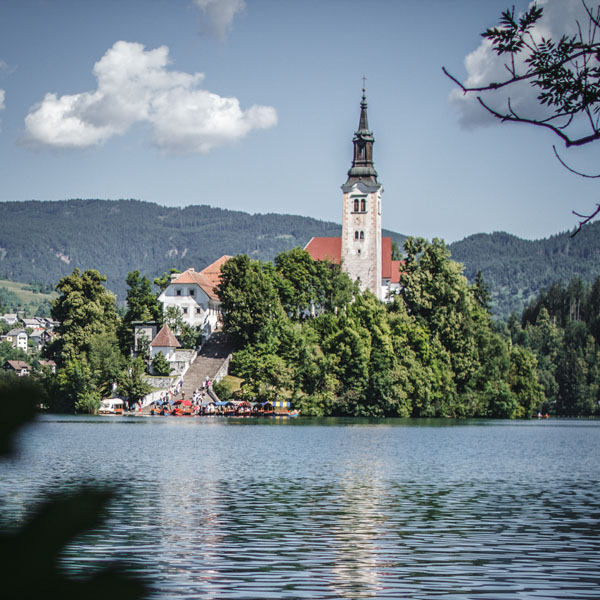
{"x":17,"y":365}
{"x":207,"y":279}
{"x":165,"y":338}
{"x":390,"y":269}
{"x":16,"y":331}
{"x":330,"y":248}
{"x":213,"y":271}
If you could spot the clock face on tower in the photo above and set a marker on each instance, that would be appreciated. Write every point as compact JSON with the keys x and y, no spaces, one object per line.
{"x":357,"y":220}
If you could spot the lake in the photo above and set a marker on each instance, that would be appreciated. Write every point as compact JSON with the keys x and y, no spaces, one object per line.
{"x":329,"y":508}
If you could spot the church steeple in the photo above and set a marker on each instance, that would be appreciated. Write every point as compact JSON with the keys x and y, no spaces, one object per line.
{"x":362,"y":168}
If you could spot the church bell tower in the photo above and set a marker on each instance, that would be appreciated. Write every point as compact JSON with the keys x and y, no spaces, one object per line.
{"x":361,"y":212}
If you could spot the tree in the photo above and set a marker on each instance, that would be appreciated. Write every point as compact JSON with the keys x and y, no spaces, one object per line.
{"x":249,"y":297}
{"x":132,"y":382}
{"x":85,"y":348}
{"x":84,"y":309}
{"x":142,"y":305}
{"x":564,"y":71}
{"x":164,"y":280}
{"x":160,"y":365}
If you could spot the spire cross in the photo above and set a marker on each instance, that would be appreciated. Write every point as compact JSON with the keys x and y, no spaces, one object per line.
{"x":364,"y":82}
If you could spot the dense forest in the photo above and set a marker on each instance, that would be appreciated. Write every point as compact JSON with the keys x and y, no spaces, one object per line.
{"x":44,"y":241}
{"x":561,"y":326}
{"x":517,"y":270}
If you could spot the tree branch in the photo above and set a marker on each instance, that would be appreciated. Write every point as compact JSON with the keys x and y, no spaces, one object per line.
{"x":586,"y":219}
{"x":566,"y":166}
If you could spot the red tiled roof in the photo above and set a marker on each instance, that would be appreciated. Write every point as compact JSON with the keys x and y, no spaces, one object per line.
{"x":330,"y":248}
{"x":325,"y":248}
{"x":165,"y":338}
{"x":208,"y":279}
{"x":191,"y":276}
{"x":213,"y":271}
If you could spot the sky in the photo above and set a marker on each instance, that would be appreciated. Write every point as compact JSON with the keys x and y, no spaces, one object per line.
{"x":252,"y":104}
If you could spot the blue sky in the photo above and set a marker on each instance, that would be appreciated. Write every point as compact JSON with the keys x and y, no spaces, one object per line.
{"x":251,"y":105}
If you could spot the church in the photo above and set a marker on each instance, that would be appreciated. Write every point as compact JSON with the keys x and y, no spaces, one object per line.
{"x":362,"y":252}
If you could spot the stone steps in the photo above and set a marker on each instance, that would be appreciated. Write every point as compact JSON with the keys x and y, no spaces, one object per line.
{"x":208,"y":362}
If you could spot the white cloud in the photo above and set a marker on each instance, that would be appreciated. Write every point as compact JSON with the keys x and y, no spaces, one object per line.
{"x":218,"y":15}
{"x":2,"y":105}
{"x":483,"y":66}
{"x":135,"y":85}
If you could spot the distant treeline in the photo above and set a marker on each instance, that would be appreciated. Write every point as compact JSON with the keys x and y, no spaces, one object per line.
{"x":517,"y":270}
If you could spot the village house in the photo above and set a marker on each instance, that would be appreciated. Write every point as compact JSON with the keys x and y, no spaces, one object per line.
{"x":33,"y":324}
{"x":19,"y":367}
{"x":50,"y":364}
{"x":194,"y":295}
{"x":18,"y":338}
{"x":165,"y":342}
{"x":10,"y":318}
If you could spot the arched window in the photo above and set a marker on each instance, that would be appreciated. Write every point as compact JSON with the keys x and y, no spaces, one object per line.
{"x":355,"y":204}
{"x":362,"y":235}
{"x":363,"y":205}
{"x":356,"y":235}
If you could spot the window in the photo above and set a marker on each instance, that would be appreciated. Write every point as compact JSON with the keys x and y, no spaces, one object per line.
{"x":362,"y":235}
{"x":363,"y":207}
{"x":192,"y":293}
{"x":356,"y":235}
{"x":198,"y":310}
{"x":185,"y":310}
{"x":178,"y":292}
{"x":355,"y":204}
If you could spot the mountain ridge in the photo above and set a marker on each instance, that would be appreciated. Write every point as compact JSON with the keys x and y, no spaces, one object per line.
{"x":42,"y":241}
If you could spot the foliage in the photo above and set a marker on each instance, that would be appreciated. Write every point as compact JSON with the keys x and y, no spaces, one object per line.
{"x":44,"y":240}
{"x":433,"y":351}
{"x":160,"y":365}
{"x":517,"y":270}
{"x":563,"y":70}
{"x":86,"y":350}
{"x":31,"y":552}
{"x":142,"y":305}
{"x":131,"y":381}
{"x":560,"y":329}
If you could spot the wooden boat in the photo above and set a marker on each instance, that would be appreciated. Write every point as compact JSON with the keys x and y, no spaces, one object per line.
{"x":282,"y":409}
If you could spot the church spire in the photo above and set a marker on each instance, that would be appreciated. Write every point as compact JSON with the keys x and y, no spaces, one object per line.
{"x":362,"y":168}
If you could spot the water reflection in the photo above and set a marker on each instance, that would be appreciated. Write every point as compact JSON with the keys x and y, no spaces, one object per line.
{"x":321,"y":510}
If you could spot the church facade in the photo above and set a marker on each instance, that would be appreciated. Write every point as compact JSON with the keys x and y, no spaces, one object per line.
{"x":364,"y":255}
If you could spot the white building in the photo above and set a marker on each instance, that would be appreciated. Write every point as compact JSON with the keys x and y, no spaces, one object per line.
{"x":364,"y":254}
{"x":193,"y":293}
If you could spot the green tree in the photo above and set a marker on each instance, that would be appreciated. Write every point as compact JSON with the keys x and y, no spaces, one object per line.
{"x":132,"y":382}
{"x":142,"y":305}
{"x":249,"y":297}
{"x":164,"y":280}
{"x":160,"y":365}
{"x":85,"y":347}
{"x":84,"y":309}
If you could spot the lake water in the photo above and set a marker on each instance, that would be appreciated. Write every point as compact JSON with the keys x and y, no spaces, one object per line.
{"x":215,"y":508}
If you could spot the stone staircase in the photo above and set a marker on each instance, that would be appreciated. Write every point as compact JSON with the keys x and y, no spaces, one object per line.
{"x":210,"y":359}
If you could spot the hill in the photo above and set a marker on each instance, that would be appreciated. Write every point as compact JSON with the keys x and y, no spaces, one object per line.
{"x":516,"y":269}
{"x":43,"y":241}
{"x":32,"y":299}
